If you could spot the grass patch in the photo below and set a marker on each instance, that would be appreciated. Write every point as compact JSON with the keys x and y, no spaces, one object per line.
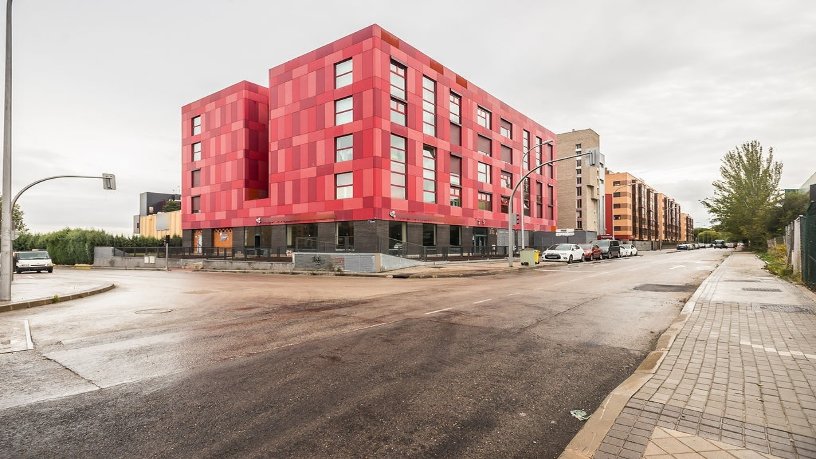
{"x":775,"y":259}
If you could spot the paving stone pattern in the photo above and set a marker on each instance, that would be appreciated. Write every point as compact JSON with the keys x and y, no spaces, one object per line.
{"x":740,"y":373}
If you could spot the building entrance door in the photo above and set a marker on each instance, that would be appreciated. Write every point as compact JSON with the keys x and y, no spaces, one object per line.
{"x":479,"y":240}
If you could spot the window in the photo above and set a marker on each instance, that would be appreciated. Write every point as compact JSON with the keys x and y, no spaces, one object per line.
{"x":579,"y":214}
{"x":345,"y":235}
{"x":484,"y":145}
{"x":398,"y":111}
{"x":398,"y":80}
{"x":344,"y":148}
{"x":578,"y":191}
{"x":483,"y":173}
{"x":616,"y":194}
{"x":577,"y":162}
{"x":343,"y":111}
{"x":455,"y":196}
{"x":197,"y":151}
{"x":397,"y":167}
{"x":428,"y":174}
{"x":485,"y":201}
{"x":456,"y":171}
{"x":577,"y":180}
{"x":526,"y":194}
{"x":550,"y":173}
{"x":428,"y":234}
{"x":616,"y":183}
{"x":577,"y":148}
{"x":550,"y":201}
{"x":504,"y":206}
{"x":579,"y":204}
{"x":507,"y":154}
{"x":579,"y":224}
{"x":539,"y":200}
{"x":196,"y":125}
{"x":344,"y":185}
{"x":428,"y":106}
{"x":483,"y":117}
{"x":455,"y":239}
{"x":343,"y":73}
{"x":506,"y":128}
{"x":195,"y":178}
{"x":506,"y":179}
{"x":195,"y":204}
{"x":455,"y":134}
{"x":455,"y":108}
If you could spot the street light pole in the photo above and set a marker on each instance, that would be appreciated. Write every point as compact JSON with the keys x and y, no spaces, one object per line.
{"x":7,"y":205}
{"x":525,"y":157}
{"x":510,"y":236}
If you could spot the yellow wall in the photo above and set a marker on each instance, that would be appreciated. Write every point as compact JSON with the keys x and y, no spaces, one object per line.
{"x":147,"y":225}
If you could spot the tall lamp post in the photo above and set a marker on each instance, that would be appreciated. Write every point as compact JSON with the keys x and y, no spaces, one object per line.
{"x":593,"y":154}
{"x":524,"y":159}
{"x":5,"y":212}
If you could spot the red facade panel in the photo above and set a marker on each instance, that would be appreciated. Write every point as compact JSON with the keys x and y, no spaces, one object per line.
{"x":271,"y":152}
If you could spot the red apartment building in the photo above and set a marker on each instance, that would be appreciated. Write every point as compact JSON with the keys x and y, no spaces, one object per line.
{"x":365,"y":144}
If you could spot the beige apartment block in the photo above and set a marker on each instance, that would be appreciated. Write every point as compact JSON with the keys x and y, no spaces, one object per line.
{"x":639,"y":213}
{"x":581,"y":187}
{"x":686,"y":227}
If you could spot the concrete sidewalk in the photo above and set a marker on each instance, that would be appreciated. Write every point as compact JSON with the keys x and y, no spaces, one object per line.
{"x":29,"y":290}
{"x":737,"y":380}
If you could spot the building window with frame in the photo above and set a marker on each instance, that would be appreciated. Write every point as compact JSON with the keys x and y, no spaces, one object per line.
{"x":579,"y":224}
{"x":539,"y":200}
{"x":343,"y":111}
{"x":578,"y":180}
{"x":485,"y":201}
{"x":345,"y":235}
{"x":455,"y":196}
{"x":455,"y":181}
{"x":484,"y":117}
{"x":484,"y":145}
{"x":343,"y":75}
{"x":398,"y":146}
{"x":506,"y":179}
{"x":428,"y":106}
{"x":504,"y":205}
{"x":577,"y":148}
{"x":483,"y":173}
{"x":344,"y":148}
{"x":455,"y":108}
{"x":197,"y":151}
{"x":195,"y":204}
{"x":526,"y":193}
{"x":579,"y":203}
{"x":507,"y":154}
{"x":344,"y":185}
{"x":398,"y":72}
{"x":428,"y":235}
{"x":525,"y":141}
{"x":455,"y":239}
{"x":577,"y":163}
{"x":505,"y":128}
{"x":578,"y":190}
{"x":550,"y":202}
{"x":428,"y":174}
{"x":550,"y":170}
{"x":399,"y":110}
{"x":195,"y":178}
{"x":196,"y":123}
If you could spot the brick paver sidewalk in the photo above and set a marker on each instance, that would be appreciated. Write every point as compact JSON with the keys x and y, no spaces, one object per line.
{"x":738,"y":381}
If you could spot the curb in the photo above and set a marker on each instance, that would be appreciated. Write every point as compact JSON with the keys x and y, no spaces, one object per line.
{"x":46,"y":301}
{"x":586,"y":442}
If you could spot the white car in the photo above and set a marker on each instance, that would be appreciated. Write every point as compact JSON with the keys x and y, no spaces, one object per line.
{"x":626,"y":250}
{"x":634,"y":250}
{"x":563,"y":252}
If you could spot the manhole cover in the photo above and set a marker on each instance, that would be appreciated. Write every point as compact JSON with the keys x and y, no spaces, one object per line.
{"x":665,"y":288}
{"x":739,"y":280}
{"x":154,"y":311}
{"x":753,"y":289}
{"x":786,"y":308}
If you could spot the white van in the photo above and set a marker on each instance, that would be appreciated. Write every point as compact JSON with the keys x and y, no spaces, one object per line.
{"x":34,"y":260}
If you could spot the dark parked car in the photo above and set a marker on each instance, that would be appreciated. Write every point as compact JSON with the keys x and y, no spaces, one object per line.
{"x":591,"y":252}
{"x":610,"y":248}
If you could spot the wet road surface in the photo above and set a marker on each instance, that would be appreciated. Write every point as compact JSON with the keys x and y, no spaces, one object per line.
{"x":212,"y":364}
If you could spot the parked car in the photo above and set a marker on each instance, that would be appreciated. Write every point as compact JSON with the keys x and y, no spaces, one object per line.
{"x":610,"y":248}
{"x":626,"y":250}
{"x":634,"y":250}
{"x":33,"y":260}
{"x":684,"y":246}
{"x":591,"y":252}
{"x":564,"y":252}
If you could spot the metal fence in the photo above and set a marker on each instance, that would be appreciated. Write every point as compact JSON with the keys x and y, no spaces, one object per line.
{"x":808,"y":244}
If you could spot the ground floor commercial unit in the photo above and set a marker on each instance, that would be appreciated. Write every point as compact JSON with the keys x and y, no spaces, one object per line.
{"x":367,"y":236}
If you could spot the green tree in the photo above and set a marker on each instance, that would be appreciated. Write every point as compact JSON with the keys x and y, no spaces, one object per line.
{"x":171,"y":206}
{"x":746,"y":193}
{"x":708,"y":236}
{"x":17,"y":218}
{"x":793,"y":204}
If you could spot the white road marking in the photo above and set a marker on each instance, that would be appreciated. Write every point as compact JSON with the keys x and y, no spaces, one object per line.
{"x":438,"y":310}
{"x":482,"y":301}
{"x":29,"y":342}
{"x":678,"y":266}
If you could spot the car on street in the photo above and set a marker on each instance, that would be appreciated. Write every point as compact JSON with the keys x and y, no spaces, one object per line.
{"x":564,"y":252}
{"x":610,"y":248}
{"x":33,"y":260}
{"x":626,"y":250}
{"x":684,"y":246}
{"x":591,"y":252}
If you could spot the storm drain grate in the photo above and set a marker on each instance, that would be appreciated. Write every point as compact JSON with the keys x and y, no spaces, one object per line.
{"x":665,"y":288}
{"x":739,"y":280}
{"x":786,"y":308}
{"x":753,"y":289}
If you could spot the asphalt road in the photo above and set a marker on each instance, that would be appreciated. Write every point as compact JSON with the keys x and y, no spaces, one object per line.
{"x":211,"y":364}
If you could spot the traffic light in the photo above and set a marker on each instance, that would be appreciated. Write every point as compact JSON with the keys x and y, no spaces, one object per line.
{"x":108,"y":182}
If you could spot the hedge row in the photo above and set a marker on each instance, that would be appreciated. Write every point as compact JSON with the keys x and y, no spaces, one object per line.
{"x":71,"y":246}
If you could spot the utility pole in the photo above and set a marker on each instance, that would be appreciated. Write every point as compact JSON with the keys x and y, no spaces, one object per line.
{"x":7,"y":205}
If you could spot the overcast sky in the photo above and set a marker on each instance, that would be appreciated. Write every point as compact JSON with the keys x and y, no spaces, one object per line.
{"x":669,"y":86}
